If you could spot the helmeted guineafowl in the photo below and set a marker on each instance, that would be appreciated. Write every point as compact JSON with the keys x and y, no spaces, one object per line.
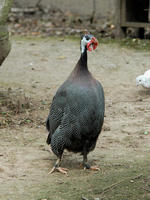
{"x":77,"y":110}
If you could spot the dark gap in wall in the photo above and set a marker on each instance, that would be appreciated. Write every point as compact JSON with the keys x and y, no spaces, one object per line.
{"x":137,"y":11}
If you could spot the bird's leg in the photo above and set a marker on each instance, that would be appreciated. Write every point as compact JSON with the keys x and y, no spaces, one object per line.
{"x":86,"y":165}
{"x":58,"y":168}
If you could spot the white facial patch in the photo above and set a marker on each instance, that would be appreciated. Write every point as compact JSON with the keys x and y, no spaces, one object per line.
{"x":84,"y":42}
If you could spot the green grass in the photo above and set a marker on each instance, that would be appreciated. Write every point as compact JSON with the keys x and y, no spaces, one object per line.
{"x":126,"y":42}
{"x":128,"y":181}
{"x":135,"y":44}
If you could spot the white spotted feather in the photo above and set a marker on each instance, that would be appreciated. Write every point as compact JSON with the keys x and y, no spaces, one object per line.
{"x":144,"y":79}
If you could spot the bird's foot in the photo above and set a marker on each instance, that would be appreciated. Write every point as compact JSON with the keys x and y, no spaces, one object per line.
{"x":59,"y":169}
{"x":62,"y":170}
{"x":95,"y":168}
{"x":87,"y":166}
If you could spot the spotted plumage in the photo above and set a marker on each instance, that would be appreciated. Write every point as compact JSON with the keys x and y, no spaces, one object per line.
{"x":77,"y":110}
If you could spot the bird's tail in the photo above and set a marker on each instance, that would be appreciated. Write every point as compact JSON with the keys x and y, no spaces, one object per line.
{"x":47,"y":124}
{"x":48,"y":141}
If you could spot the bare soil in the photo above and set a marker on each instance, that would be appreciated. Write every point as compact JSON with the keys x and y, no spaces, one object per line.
{"x":29,"y":78}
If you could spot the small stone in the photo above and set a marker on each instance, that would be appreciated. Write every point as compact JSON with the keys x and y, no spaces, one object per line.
{"x":145,"y":133}
{"x":30,"y":64}
{"x":58,"y":33}
{"x":106,"y":128}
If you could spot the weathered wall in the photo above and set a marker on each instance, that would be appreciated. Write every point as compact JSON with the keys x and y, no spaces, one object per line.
{"x":104,"y":8}
{"x":5,"y":6}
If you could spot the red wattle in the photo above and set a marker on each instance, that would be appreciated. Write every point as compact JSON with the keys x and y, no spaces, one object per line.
{"x":94,"y":44}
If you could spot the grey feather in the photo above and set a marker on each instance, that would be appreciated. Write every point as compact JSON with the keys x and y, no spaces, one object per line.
{"x":77,"y":112}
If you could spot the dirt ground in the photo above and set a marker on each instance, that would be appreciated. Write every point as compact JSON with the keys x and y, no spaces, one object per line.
{"x":33,"y":71}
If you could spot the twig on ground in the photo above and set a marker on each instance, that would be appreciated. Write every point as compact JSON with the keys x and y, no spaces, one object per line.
{"x":146,"y":189}
{"x":117,"y":183}
{"x":84,"y":198}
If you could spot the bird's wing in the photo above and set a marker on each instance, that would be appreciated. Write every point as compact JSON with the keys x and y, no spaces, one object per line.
{"x":76,"y":110}
{"x":148,"y":82}
{"x":147,"y":73}
{"x":84,"y":110}
{"x":56,"y":112}
{"x":100,"y":93}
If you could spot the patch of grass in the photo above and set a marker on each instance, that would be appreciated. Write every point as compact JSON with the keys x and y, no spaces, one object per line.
{"x":18,"y":109}
{"x":26,"y":38}
{"x":129,"y":181}
{"x":137,"y":44}
{"x":128,"y":43}
{"x":41,"y":38}
{"x":14,"y":100}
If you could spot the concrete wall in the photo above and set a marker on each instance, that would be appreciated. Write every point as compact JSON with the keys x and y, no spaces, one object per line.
{"x":104,"y":8}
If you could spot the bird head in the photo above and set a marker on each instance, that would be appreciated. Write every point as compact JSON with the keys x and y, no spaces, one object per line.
{"x":143,"y":80}
{"x":140,"y":80}
{"x":88,"y":42}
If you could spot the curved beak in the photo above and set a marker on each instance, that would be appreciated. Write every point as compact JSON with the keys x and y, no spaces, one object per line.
{"x":92,"y":44}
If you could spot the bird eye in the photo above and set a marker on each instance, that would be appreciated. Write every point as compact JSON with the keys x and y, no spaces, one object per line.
{"x":87,"y":38}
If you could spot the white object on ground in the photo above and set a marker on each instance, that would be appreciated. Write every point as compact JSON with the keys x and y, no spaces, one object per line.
{"x":144,"y":79}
